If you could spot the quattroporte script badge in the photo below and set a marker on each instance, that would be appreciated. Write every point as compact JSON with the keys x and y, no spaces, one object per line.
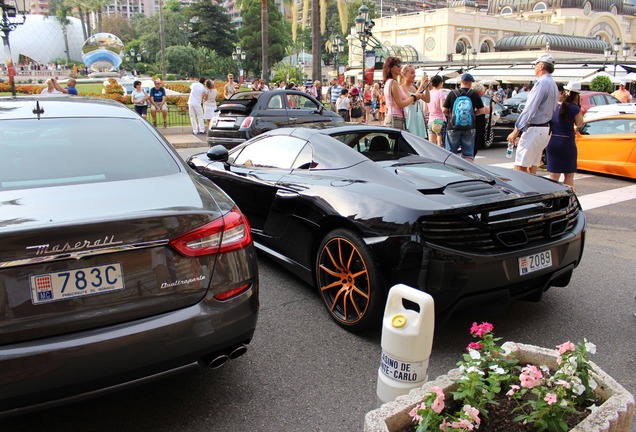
{"x":182,"y":282}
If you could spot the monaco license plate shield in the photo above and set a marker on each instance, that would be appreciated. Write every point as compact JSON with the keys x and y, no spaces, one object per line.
{"x":534,"y":262}
{"x":62,"y":285}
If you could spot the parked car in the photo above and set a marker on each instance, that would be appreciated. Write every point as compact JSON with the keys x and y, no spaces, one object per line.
{"x":605,"y":110}
{"x":608,"y":145}
{"x":248,"y":114}
{"x":592,"y":98}
{"x":515,"y":104}
{"x":356,"y":209}
{"x":118,"y":263}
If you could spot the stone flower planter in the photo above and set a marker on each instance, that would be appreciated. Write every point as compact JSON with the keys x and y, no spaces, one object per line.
{"x":614,"y":415}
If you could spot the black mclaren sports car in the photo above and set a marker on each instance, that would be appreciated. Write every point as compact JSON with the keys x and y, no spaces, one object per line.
{"x":355,"y":210}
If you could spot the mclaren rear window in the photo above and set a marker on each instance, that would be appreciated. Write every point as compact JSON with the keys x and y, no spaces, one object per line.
{"x":55,"y":152}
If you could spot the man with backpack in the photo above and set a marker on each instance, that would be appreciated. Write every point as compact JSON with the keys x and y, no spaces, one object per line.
{"x":461,"y":107}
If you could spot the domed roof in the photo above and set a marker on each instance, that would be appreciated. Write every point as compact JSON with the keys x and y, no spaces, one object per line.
{"x":40,"y":38}
{"x":539,"y":41}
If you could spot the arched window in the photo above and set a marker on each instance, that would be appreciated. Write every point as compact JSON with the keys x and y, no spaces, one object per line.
{"x":506,"y":10}
{"x":461,"y":46}
{"x":485,"y":47}
{"x":539,"y":7}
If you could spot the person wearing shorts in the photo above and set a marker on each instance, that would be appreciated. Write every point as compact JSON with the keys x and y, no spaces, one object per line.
{"x":139,"y":98}
{"x":533,"y":127}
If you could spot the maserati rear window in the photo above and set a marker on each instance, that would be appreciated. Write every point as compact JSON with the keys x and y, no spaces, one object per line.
{"x":51,"y":152}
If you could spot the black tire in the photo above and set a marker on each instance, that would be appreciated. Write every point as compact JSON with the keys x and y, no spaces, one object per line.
{"x":348,"y":281}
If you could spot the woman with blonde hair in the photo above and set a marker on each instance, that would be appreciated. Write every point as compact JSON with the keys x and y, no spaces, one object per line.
{"x":415,"y":116}
{"x":396,"y":98}
{"x":209,"y":101}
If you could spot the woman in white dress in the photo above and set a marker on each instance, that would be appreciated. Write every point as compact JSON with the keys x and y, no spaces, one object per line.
{"x":209,"y":101}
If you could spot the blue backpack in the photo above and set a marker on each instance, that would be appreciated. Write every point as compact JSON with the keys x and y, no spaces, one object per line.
{"x":463,"y":114}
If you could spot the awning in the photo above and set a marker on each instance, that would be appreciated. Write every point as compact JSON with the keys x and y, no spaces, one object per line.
{"x":519,"y":74}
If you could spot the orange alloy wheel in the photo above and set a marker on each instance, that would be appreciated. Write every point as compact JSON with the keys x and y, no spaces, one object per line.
{"x":348,"y":281}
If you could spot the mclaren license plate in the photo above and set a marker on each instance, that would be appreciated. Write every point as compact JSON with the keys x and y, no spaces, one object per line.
{"x":49,"y":287}
{"x":534,"y":262}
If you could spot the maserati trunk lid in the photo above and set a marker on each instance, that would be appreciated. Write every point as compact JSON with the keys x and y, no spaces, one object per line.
{"x":85,"y":256}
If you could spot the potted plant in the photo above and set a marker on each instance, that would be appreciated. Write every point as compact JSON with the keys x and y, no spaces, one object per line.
{"x":514,"y":387}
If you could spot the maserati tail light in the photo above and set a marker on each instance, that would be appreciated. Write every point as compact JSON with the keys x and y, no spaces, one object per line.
{"x":227,"y":233}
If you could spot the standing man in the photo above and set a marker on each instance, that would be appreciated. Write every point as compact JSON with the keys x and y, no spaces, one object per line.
{"x":534,"y":123}
{"x":197,"y":89}
{"x":336,"y":89}
{"x":158,"y":103}
{"x":228,"y":90}
{"x":621,"y":94}
{"x":459,"y":134}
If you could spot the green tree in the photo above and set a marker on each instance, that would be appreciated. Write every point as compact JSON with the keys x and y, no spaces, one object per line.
{"x":147,"y":30}
{"x":250,"y":35}
{"x":182,"y":59}
{"x":119,"y":26}
{"x":602,"y":83}
{"x":211,"y":27}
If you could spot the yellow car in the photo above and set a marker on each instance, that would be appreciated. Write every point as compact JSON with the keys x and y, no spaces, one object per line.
{"x":608,"y":145}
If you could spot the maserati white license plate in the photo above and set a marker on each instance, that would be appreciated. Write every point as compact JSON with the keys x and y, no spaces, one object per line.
{"x":538,"y":261}
{"x":48,"y":287}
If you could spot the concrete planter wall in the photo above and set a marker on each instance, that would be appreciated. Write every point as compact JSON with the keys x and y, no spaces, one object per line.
{"x":614,"y":415}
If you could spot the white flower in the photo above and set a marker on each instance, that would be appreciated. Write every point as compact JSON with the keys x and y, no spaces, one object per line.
{"x":545,"y":369}
{"x":593,"y":408}
{"x":564,"y":403}
{"x":573,"y":362}
{"x":474,"y":354}
{"x":473,"y":369}
{"x":590,"y":347}
{"x":497,"y":369}
{"x":592,"y":384}
{"x":579,"y":389}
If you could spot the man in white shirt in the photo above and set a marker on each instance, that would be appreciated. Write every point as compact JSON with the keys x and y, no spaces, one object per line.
{"x":195,"y":101}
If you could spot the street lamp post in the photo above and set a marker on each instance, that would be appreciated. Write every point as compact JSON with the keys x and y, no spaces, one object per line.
{"x":239,"y":55}
{"x":467,"y":52}
{"x":10,"y":11}
{"x":363,"y":29}
{"x":337,"y":47}
{"x":615,"y":48}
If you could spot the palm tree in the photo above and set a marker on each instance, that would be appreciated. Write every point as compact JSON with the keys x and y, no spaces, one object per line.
{"x":78,"y":5}
{"x":316,"y":69}
{"x":265,"y":39}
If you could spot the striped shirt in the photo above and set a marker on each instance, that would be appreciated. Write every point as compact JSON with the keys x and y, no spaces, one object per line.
{"x":335,"y":93}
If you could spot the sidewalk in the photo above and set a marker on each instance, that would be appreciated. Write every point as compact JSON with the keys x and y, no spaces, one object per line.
{"x":182,"y":137}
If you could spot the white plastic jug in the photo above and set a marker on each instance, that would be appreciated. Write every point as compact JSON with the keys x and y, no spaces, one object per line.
{"x":407,"y":342}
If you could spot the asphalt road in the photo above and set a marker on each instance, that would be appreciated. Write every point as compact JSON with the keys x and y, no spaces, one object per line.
{"x":303,"y":373}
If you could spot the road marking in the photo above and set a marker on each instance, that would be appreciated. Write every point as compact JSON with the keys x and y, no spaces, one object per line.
{"x":613,"y":196}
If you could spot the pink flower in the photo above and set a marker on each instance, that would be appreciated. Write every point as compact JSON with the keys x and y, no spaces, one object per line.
{"x":463,"y":424}
{"x":550,"y":398}
{"x":414,"y":415}
{"x":564,"y":384}
{"x":565,"y":347}
{"x":513,"y":389}
{"x":481,"y":329}
{"x":474,"y":345}
{"x":473,"y":413}
{"x":530,"y":376}
{"x":438,"y":403}
{"x":444,"y":425}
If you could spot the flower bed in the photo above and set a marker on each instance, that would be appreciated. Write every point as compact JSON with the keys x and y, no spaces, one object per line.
{"x":540,"y":398}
